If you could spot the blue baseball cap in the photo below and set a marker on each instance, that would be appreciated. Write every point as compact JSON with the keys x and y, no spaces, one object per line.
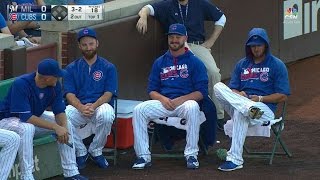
{"x":50,"y":67}
{"x":256,"y":41}
{"x":87,"y":32}
{"x":179,"y":29}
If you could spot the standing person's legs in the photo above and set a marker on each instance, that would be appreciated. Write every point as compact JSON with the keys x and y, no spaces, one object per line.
{"x":67,"y":154}
{"x":9,"y":141}
{"x":25,"y":151}
{"x":213,"y":71}
{"x":102,"y":122}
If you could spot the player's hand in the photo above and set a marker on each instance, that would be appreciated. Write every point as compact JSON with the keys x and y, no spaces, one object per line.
{"x":178,"y":101}
{"x":242,"y":93}
{"x":254,"y":98}
{"x":142,"y":25}
{"x":85,"y":110}
{"x":91,"y":108}
{"x":62,"y":134}
{"x":167,"y":103}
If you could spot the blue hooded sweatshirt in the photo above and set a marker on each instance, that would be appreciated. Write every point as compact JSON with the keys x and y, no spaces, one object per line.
{"x":177,"y":76}
{"x":267,"y":77}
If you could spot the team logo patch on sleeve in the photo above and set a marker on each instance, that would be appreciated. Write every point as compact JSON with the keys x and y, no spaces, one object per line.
{"x":97,"y":75}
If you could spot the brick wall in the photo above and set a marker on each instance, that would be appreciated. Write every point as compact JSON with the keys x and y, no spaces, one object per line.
{"x":67,"y":48}
{"x":64,"y":49}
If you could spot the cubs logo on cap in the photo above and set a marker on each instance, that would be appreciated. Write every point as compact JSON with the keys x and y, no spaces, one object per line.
{"x":87,"y":32}
{"x":179,"y":29}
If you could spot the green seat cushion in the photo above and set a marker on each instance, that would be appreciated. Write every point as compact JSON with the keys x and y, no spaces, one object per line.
{"x":5,"y":86}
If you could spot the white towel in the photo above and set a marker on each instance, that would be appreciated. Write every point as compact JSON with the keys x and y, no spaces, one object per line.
{"x":177,"y":122}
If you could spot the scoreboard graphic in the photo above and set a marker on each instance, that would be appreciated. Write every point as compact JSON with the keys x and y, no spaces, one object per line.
{"x":54,"y":12}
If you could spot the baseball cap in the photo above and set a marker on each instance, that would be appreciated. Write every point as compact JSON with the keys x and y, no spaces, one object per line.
{"x":50,"y":67}
{"x":86,"y":32}
{"x":179,"y":29}
{"x":256,"y":41}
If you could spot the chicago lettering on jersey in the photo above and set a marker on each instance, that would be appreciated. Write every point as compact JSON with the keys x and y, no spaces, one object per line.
{"x":172,"y":71}
{"x":253,"y":73}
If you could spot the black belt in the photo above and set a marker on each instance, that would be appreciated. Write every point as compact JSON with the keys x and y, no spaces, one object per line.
{"x":196,"y":42}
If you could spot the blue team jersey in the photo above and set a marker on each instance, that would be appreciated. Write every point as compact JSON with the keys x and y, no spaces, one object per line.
{"x":192,"y":16}
{"x":90,"y":83}
{"x":267,"y":77}
{"x":3,"y":23}
{"x":25,"y":99}
{"x":86,"y":2}
{"x":177,"y":76}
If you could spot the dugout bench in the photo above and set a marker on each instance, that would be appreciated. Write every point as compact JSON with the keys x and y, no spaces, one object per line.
{"x":46,"y":156}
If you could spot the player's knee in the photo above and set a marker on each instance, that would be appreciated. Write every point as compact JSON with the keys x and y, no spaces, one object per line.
{"x":192,"y":105}
{"x":105,"y":114}
{"x":28,"y":129}
{"x":139,"y":108}
{"x":217,"y":87}
{"x":15,"y":140}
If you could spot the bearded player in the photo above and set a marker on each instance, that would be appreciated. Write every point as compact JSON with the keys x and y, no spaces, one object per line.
{"x":90,"y":85}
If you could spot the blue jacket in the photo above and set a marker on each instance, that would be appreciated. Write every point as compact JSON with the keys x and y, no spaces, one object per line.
{"x":177,"y":76}
{"x":90,"y":83}
{"x":25,"y":99}
{"x":265,"y":78}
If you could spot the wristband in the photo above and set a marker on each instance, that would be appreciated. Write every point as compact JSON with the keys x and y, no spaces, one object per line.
{"x":260,"y":98}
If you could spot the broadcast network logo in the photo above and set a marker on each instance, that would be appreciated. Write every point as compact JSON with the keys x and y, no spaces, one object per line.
{"x":300,"y":17}
{"x":292,"y":12}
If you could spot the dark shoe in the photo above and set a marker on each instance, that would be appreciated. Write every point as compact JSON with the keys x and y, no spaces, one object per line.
{"x":100,"y":161}
{"x":255,"y":112}
{"x":192,"y":162}
{"x":141,"y":163}
{"x":81,"y":161}
{"x":229,"y":166}
{"x":76,"y":177}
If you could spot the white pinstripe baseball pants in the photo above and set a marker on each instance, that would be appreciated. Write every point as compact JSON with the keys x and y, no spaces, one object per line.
{"x":153,"y":109}
{"x":9,"y":141}
{"x":102,"y":120}
{"x":27,"y":131}
{"x":25,"y":151}
{"x":237,"y":107}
